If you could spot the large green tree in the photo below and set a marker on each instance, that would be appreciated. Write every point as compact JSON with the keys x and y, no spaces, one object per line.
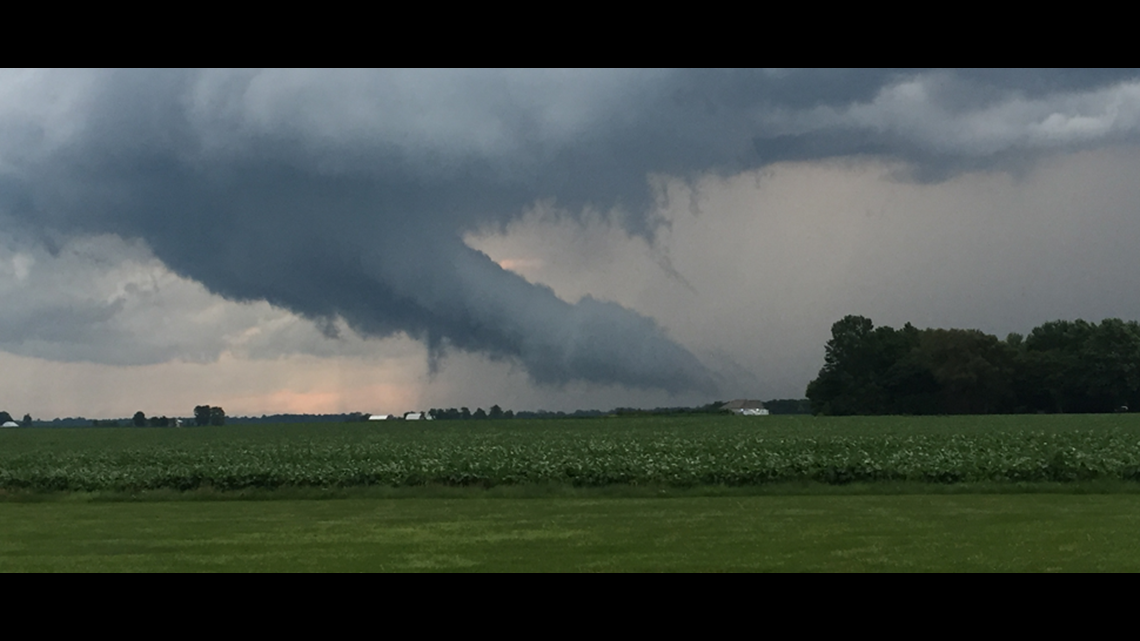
{"x":972,"y":371}
{"x":202,"y":415}
{"x":1110,"y":358}
{"x":1077,"y":366}
{"x":1060,"y":366}
{"x":863,"y":370}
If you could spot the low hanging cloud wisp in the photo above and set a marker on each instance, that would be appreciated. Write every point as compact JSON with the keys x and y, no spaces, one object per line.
{"x":347,"y":193}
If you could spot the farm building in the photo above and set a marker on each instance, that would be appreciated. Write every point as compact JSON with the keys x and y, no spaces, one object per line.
{"x":10,"y":424}
{"x":381,"y":417}
{"x":743,"y":407}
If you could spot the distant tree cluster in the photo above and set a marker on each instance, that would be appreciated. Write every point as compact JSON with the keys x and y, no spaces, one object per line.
{"x":70,"y":421}
{"x":140,"y":420}
{"x":548,"y":414}
{"x":206,"y":415}
{"x":711,"y":408}
{"x":1061,"y":366}
{"x":298,"y":418}
{"x":464,"y":414}
{"x":6,"y":417}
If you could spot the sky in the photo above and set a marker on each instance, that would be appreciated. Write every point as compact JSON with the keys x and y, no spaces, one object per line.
{"x":326,"y":241}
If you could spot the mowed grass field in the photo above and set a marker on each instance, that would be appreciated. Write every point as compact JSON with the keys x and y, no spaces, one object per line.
{"x":815,"y":533}
{"x":998,"y":493}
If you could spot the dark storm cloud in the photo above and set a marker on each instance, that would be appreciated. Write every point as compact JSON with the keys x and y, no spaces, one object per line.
{"x":347,"y":193}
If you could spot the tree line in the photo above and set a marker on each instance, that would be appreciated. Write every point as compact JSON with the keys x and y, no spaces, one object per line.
{"x":1060,"y":366}
{"x":203,"y":415}
{"x":208,"y":415}
{"x":5,"y":417}
{"x":464,"y":414}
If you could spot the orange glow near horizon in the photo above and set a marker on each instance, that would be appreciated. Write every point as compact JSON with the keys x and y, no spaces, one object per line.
{"x":298,"y":384}
{"x":382,"y":398}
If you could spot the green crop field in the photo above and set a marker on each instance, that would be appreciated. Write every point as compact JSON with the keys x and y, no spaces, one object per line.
{"x":682,"y":452}
{"x":711,"y":493}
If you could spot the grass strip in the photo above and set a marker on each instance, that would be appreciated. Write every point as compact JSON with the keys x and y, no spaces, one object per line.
{"x":1045,"y":532}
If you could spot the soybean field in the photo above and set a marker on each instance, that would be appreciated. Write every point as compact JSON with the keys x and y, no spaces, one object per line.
{"x":665,"y":452}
